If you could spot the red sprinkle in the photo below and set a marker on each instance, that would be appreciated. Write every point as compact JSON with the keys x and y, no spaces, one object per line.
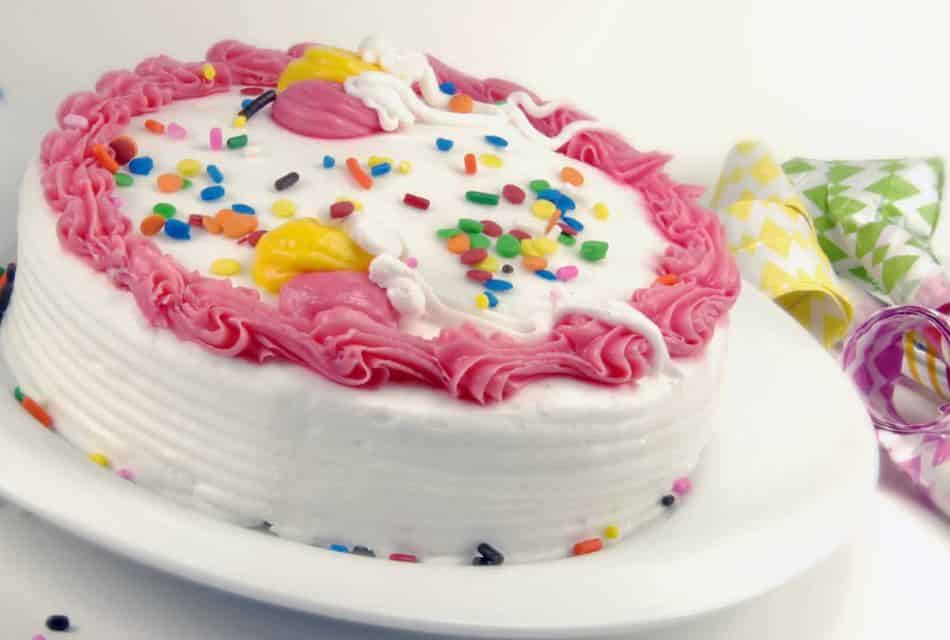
{"x":566,"y":228}
{"x":361,"y":177}
{"x":513,"y":193}
{"x":416,"y":201}
{"x":38,"y":412}
{"x":471,"y":167}
{"x":403,"y":557}
{"x":518,"y":233}
{"x":588,"y":546}
{"x":473,"y":256}
{"x":196,"y":220}
{"x":253,"y":238}
{"x":491,"y":228}
{"x":252,"y":91}
{"x":478,"y":275}
{"x":341,"y":209}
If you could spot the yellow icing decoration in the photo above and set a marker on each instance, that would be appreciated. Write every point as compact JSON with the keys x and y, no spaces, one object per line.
{"x":208,"y":71}
{"x":301,"y":246}
{"x":324,"y":63}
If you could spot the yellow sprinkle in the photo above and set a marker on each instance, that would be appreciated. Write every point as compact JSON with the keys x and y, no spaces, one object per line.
{"x":404,"y":167}
{"x":481,"y":301}
{"x":225,"y":267}
{"x":356,"y":203}
{"x":546,"y":246}
{"x":100,"y":460}
{"x":490,"y":263}
{"x":375,"y":160}
{"x":239,"y":122}
{"x":528,"y":248}
{"x":283,"y":208}
{"x":612,"y":532}
{"x":600,"y":211}
{"x":543,"y":209}
{"x":491,"y":161}
{"x":208,"y":71}
{"x":189,"y":167}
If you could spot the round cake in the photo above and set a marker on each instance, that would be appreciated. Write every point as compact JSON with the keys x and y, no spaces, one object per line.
{"x":370,"y":303}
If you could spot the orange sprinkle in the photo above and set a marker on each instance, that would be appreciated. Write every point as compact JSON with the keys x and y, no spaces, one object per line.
{"x":169,"y":183}
{"x":553,"y":220}
{"x":572,"y":176}
{"x":210,"y":224}
{"x":358,"y":174}
{"x":668,"y":278}
{"x":101,"y":153}
{"x":588,"y":546}
{"x":471,"y":167}
{"x":534,"y":263}
{"x":151,"y":225}
{"x":234,"y":224}
{"x":459,"y":244}
{"x":37,"y":412}
{"x":154,"y":126}
{"x":461,"y":103}
{"x":3,"y":279}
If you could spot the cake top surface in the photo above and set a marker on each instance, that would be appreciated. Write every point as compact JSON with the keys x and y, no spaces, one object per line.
{"x":392,"y":220}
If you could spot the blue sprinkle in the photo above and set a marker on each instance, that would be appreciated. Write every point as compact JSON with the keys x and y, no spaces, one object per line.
{"x":492,"y":299}
{"x":564,"y":203}
{"x":560,"y":200}
{"x":544,"y":273}
{"x":215,"y":173}
{"x":339,"y":547}
{"x":381,"y":169}
{"x":443,"y":144}
{"x":246,"y":101}
{"x":498,"y":285}
{"x":212,"y":193}
{"x":242,"y":208}
{"x":573,"y":223}
{"x":328,"y":162}
{"x":177,"y":229}
{"x":496,"y":141}
{"x":141,"y":166}
{"x":448,"y":88}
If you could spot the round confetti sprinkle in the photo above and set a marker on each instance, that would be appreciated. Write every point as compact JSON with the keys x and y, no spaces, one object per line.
{"x":141,"y":166}
{"x":539,"y":185}
{"x":225,"y":267}
{"x":612,"y":532}
{"x":210,"y":194}
{"x":481,"y":301}
{"x":175,"y":131}
{"x":283,"y":208}
{"x":491,"y":229}
{"x":534,"y":263}
{"x":513,"y":193}
{"x":473,"y":256}
{"x":567,"y":239}
{"x":572,"y":176}
{"x":478,"y":275}
{"x":470,"y":226}
{"x":682,"y":486}
{"x":165,"y":209}
{"x":58,"y":622}
{"x":404,"y":167}
{"x":528,"y":248}
{"x":177,"y":229}
{"x":498,"y":285}
{"x":490,"y":263}
{"x":479,"y":240}
{"x":188,"y":168}
{"x":341,"y":209}
{"x":491,"y":161}
{"x":328,"y":162}
{"x":100,"y":459}
{"x":214,"y":173}
{"x":124,"y":149}
{"x":239,"y":122}
{"x":286,"y":181}
{"x":169,"y":183}
{"x":546,"y":246}
{"x":496,"y":141}
{"x":519,"y":234}
{"x":480,"y":197}
{"x":234,"y":224}
{"x":210,"y":224}
{"x":151,"y":225}
{"x":448,"y":88}
{"x":243,"y":208}
{"x":461,"y":103}
{"x":447,"y":233}
{"x":567,"y":273}
{"x":185,"y":183}
{"x":543,"y":209}
{"x":594,"y":250}
{"x":444,"y":144}
{"x":236,"y":142}
{"x":123,"y":179}
{"x":459,"y":243}
{"x":508,"y":246}
{"x":507,"y":268}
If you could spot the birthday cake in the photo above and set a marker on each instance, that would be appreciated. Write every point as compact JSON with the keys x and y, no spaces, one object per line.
{"x":370,"y":303}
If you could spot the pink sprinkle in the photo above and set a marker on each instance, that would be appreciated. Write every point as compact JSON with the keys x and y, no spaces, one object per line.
{"x":682,"y":486}
{"x":125,"y":474}
{"x":566,"y":274}
{"x":75,"y":121}
{"x":175,"y":131}
{"x":39,"y":636}
{"x":216,"y":139}
{"x":116,"y":200}
{"x":411,"y":262}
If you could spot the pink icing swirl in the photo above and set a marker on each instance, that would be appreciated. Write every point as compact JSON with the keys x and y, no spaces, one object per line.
{"x":338,"y":324}
{"x":321,"y":109}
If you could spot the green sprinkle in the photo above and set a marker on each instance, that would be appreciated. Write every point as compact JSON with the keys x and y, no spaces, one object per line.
{"x":2,"y":271}
{"x":18,"y":394}
{"x":508,"y":246}
{"x":237,"y":141}
{"x":480,"y":197}
{"x":165,"y":210}
{"x":185,"y":183}
{"x":479,"y":240}
{"x":539,"y":185}
{"x":593,"y":250}
{"x":123,"y":179}
{"x":567,"y":240}
{"x":447,"y":233}
{"x":470,"y":226}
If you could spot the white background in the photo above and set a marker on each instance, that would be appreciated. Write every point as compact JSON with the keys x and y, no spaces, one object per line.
{"x":832,"y":79}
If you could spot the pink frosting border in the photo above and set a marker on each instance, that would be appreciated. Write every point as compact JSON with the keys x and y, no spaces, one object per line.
{"x":346,"y":344}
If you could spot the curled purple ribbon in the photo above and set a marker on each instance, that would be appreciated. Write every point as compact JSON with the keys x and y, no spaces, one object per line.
{"x":872,"y":358}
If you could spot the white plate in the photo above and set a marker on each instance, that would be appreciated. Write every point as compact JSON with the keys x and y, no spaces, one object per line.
{"x":783,"y":483}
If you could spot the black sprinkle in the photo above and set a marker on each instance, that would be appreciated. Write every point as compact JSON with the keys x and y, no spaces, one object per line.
{"x":479,"y":561}
{"x":363,"y":551}
{"x":490,"y":553}
{"x":258,"y":103}
{"x":11,"y":272}
{"x":668,"y":500}
{"x":507,"y":268}
{"x":57,"y":622}
{"x":286,"y":181}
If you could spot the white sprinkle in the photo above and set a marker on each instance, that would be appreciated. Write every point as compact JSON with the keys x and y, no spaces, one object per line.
{"x":75,"y":121}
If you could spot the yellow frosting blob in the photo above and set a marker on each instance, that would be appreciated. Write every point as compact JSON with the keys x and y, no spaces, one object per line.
{"x":324,"y":63}
{"x":301,"y":246}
